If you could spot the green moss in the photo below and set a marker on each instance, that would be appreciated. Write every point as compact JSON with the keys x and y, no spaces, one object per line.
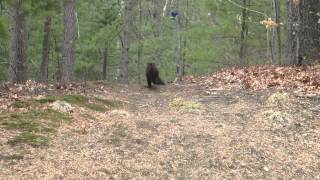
{"x":29,"y":138}
{"x":111,"y":103}
{"x":42,"y":121}
{"x":72,"y":99}
{"x":21,"y":104}
{"x":75,"y":99}
{"x":18,"y":122}
{"x":35,"y":121}
{"x":97,"y":107}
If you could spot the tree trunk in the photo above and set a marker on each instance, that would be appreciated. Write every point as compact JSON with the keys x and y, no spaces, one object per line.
{"x":157,"y":18}
{"x":178,"y":48}
{"x":243,"y":35}
{"x":276,"y":36}
{"x":310,"y":31}
{"x":139,"y":42}
{"x":69,"y":41}
{"x":45,"y":50}
{"x":104,"y":54}
{"x":164,"y":10}
{"x":123,"y":74}
{"x":303,"y":32}
{"x":18,"y":72}
{"x":185,"y":41}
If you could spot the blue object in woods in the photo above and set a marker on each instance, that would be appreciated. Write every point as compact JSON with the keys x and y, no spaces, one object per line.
{"x":174,"y":14}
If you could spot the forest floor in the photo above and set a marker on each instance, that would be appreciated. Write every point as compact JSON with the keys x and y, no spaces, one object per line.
{"x":177,"y":131}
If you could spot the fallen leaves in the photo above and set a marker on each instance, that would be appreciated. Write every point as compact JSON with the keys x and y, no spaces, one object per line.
{"x":305,"y":79}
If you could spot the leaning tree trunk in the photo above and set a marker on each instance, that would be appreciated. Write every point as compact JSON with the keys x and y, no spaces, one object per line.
{"x":69,"y":41}
{"x":124,"y":68}
{"x":18,"y":70}
{"x":45,"y":50}
{"x":303,"y":32}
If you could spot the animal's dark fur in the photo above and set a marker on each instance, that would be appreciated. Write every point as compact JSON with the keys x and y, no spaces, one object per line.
{"x":152,"y":75}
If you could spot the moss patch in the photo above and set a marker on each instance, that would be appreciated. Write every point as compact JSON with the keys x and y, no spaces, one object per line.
{"x":21,"y":104}
{"x":111,"y":103}
{"x":36,"y":125}
{"x":29,"y":138}
{"x":75,"y":99}
{"x":31,"y":123}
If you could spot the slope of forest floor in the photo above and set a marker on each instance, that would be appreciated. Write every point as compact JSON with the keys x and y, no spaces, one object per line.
{"x":178,"y":131}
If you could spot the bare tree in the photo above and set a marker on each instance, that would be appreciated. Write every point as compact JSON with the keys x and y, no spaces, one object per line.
{"x":18,"y":72}
{"x":69,"y":41}
{"x":123,"y":74}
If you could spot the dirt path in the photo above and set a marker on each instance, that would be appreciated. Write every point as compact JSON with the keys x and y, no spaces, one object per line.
{"x":179,"y":132}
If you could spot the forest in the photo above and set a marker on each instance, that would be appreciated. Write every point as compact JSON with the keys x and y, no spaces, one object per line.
{"x":110,"y":38}
{"x":159,"y":89}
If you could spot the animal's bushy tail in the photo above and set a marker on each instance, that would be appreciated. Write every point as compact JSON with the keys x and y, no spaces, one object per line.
{"x":158,"y":81}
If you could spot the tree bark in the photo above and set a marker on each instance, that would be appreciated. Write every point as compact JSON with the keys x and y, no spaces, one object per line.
{"x":310,"y":31}
{"x":18,"y":72}
{"x":157,"y":18}
{"x":164,"y":10}
{"x":70,"y":32}
{"x":303,"y":32}
{"x":243,"y":35}
{"x":276,"y":36}
{"x":45,"y":50}
{"x":186,"y":24}
{"x":104,"y":53}
{"x":178,"y":48}
{"x":139,"y":41}
{"x":123,"y":74}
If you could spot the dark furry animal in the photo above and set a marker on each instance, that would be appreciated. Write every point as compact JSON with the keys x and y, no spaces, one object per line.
{"x":152,"y":75}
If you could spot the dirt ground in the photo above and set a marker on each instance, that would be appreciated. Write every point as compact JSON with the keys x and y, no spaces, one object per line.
{"x":178,"y":132}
